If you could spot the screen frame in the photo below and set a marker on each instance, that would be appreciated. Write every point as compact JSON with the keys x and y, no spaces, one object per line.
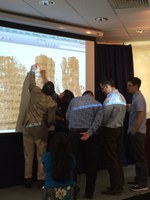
{"x":44,"y":30}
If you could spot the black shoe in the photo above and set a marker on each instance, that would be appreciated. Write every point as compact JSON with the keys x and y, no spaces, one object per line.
{"x":132,"y":183}
{"x":28,"y":183}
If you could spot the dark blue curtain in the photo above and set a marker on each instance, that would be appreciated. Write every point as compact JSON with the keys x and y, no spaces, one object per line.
{"x":116,"y":62}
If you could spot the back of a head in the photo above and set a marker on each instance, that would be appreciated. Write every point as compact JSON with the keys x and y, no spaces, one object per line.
{"x":107,"y":81}
{"x":60,"y":141}
{"x":135,"y":81}
{"x":89,"y":92}
{"x":68,"y":95}
{"x":48,"y":88}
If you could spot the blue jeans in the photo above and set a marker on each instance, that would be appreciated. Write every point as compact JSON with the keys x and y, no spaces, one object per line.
{"x":138,"y":150}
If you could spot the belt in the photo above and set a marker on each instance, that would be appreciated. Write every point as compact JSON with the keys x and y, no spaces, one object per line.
{"x":80,"y":130}
{"x":34,"y":124}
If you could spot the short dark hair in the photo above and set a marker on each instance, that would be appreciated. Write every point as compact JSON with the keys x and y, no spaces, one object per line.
{"x":68,"y":95}
{"x":135,"y":81}
{"x":88,"y":92}
{"x":48,"y":88}
{"x":107,"y":81}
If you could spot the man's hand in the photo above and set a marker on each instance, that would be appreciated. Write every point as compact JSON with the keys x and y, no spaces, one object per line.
{"x":43,"y":72}
{"x":43,"y":75}
{"x":84,"y":136}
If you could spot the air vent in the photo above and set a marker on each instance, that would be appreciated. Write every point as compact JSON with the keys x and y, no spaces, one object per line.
{"x":118,"y":4}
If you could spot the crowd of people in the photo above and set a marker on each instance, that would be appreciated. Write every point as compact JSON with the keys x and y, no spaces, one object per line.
{"x":78,"y":121}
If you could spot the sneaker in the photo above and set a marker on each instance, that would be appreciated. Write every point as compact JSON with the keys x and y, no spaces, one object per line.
{"x":138,"y":188}
{"x":132,"y":184}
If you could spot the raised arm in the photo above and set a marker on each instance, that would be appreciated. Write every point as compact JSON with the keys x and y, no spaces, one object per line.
{"x":32,"y":76}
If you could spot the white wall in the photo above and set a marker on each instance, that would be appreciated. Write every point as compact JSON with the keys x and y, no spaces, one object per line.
{"x":141,"y":57}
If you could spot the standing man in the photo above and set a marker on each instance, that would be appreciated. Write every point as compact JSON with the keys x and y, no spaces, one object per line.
{"x":114,"y":113}
{"x":137,"y":131}
{"x":39,"y":116}
{"x":84,"y":116}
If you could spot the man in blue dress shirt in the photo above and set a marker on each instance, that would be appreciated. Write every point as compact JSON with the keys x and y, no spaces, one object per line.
{"x":84,"y":116}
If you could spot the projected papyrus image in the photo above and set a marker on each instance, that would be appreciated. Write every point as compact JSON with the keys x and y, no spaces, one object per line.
{"x":64,"y":66}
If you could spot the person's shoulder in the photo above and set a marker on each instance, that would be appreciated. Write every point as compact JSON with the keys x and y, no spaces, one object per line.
{"x":76,"y":99}
{"x":46,"y":155}
{"x":140,"y":97}
{"x":36,"y":89}
{"x":51,"y":101}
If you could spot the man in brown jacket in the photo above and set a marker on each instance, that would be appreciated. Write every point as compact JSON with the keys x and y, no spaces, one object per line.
{"x":40,"y":115}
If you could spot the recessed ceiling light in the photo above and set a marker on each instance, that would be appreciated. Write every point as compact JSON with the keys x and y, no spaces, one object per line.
{"x":141,"y":31}
{"x":101,"y":19}
{"x":61,"y":27}
{"x":46,"y":2}
{"x":88,"y":32}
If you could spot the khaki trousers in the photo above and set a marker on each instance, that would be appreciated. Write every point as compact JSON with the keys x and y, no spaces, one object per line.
{"x":31,"y":143}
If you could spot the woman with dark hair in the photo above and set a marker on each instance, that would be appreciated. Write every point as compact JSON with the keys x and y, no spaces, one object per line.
{"x":65,"y":98}
{"x":59,"y":166}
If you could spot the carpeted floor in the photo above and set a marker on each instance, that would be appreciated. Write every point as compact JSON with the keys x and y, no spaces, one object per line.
{"x":145,"y":196}
{"x":19,"y":192}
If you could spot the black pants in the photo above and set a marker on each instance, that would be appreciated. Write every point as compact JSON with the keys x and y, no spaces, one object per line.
{"x":113,"y":147}
{"x":86,"y":154}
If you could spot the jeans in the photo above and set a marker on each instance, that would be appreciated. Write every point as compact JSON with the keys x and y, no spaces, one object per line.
{"x":138,"y":149}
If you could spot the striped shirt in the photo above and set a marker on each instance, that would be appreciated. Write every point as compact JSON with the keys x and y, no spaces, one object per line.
{"x":85,"y":112}
{"x":114,"y":110}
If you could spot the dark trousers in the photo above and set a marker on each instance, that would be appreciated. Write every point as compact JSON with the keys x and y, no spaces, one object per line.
{"x":112,"y":148}
{"x":138,"y":151}
{"x":86,"y":154}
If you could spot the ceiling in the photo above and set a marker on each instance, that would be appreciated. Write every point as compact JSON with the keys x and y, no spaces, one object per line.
{"x":125,"y":17}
